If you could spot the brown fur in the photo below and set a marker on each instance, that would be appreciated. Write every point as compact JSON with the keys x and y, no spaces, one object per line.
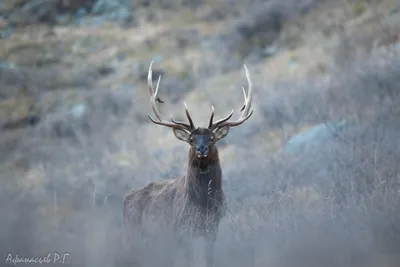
{"x":182,"y":202}
{"x":191,"y":205}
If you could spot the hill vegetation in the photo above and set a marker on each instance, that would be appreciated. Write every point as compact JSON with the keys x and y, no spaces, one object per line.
{"x":312,"y":178}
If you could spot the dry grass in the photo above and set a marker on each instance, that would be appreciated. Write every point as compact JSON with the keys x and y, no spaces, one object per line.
{"x":77,"y":182}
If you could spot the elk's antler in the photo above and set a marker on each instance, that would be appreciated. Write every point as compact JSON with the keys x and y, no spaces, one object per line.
{"x":154,"y":98}
{"x":245,"y":109}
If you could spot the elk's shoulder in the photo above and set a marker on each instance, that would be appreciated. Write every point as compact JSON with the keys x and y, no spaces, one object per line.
{"x":149,"y":190}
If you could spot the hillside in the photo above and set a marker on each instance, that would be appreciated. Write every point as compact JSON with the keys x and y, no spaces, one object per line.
{"x":312,"y":177}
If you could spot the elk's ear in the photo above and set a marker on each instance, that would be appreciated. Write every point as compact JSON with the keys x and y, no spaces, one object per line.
{"x":181,"y":134}
{"x":221,"y":132}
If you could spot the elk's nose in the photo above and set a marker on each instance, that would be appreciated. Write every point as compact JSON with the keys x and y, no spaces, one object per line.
{"x":202,"y":151}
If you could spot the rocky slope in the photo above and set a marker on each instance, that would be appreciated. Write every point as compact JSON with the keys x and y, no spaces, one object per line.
{"x":313,"y":172}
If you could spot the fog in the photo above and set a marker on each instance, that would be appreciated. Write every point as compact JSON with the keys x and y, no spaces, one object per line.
{"x":311,"y":179}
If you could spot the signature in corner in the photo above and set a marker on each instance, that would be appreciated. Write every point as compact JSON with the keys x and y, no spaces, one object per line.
{"x":49,"y":258}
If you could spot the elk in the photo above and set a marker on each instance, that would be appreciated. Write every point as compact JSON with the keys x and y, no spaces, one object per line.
{"x":194,"y":204}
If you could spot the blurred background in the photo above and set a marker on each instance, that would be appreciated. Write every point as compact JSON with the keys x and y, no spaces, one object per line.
{"x":312,"y":178}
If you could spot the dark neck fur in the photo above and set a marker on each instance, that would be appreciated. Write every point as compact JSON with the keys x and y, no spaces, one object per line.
{"x":204,"y":177}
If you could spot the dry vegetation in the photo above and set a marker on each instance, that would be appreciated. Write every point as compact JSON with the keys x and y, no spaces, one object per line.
{"x":312,"y":179}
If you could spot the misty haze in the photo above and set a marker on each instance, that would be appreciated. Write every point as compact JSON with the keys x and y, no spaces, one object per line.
{"x":311,"y":178}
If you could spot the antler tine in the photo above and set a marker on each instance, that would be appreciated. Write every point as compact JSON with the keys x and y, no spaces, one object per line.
{"x":224,"y":119}
{"x":150,"y":84}
{"x":189,"y":126}
{"x":181,"y":123}
{"x":249,"y":97}
{"x":245,"y":109}
{"x":154,"y":97}
{"x":245,"y":98}
{"x":156,"y":93}
{"x":239,"y":121}
{"x":188,"y":116}
{"x":211,"y":125}
{"x":212,"y":116}
{"x":220,"y":121}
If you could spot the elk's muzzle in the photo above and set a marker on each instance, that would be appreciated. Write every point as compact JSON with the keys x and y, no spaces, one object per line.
{"x":202,"y":151}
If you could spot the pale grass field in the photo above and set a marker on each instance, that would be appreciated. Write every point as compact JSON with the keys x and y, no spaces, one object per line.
{"x":63,"y":181}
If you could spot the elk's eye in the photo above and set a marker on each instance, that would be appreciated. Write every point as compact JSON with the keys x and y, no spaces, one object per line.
{"x":191,"y":139}
{"x":212,"y":139}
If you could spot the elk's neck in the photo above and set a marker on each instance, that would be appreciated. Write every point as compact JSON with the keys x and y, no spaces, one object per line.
{"x":204,"y":170}
{"x":204,"y":176}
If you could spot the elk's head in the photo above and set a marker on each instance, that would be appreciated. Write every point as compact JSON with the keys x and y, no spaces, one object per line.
{"x":201,"y":140}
